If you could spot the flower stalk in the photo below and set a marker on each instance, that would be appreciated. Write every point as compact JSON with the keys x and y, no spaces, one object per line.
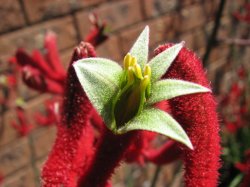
{"x":121,"y":104}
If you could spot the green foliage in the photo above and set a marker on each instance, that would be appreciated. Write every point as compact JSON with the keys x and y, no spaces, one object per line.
{"x":124,"y":97}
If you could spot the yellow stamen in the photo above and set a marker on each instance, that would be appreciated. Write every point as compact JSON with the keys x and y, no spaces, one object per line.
{"x":147,"y":71}
{"x":133,"y":61}
{"x":144,"y":83}
{"x":130,"y":75}
{"x":126,"y":61}
{"x":137,"y":69}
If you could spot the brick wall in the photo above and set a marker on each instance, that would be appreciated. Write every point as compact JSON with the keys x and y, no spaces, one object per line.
{"x":24,"y":23}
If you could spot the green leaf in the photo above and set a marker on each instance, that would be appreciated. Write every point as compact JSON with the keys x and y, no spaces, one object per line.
{"x":140,"y":47}
{"x":236,"y":181}
{"x":170,"y":88}
{"x":100,"y":79}
{"x":158,"y":121}
{"x":160,"y":63}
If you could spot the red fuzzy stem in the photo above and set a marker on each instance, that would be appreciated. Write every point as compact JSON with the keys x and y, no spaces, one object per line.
{"x":167,"y":153}
{"x":197,"y":114}
{"x":74,"y":136}
{"x":109,"y":153}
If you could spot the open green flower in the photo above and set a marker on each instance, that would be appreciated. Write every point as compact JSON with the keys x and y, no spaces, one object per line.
{"x":125,"y":97}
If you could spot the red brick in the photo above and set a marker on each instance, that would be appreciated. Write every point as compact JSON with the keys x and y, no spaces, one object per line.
{"x":162,"y":30}
{"x":191,"y":17}
{"x":128,"y":37}
{"x":210,"y":8}
{"x":218,"y":53}
{"x":35,"y":105}
{"x":110,"y":49}
{"x":195,"y":39}
{"x":14,"y":156}
{"x":85,"y":3}
{"x":43,"y":139}
{"x":24,"y":177}
{"x":8,"y":133}
{"x":117,"y":14}
{"x":225,"y":28}
{"x":42,"y":10}
{"x":187,"y":2}
{"x":11,"y":14}
{"x":214,"y":67}
{"x":155,"y":8}
{"x":39,"y":10}
{"x":33,"y":37}
{"x":66,"y":56}
{"x":170,"y":27}
{"x":39,"y":164}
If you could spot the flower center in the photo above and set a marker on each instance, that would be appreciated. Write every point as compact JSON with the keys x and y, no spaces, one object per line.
{"x":135,"y":89}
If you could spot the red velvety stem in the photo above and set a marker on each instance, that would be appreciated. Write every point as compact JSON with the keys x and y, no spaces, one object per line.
{"x":109,"y":153}
{"x":167,"y":153}
{"x":74,"y":136}
{"x":197,"y":114}
{"x":136,"y":150}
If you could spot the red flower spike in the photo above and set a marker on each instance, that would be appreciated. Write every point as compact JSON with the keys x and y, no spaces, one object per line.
{"x":52,"y":55}
{"x":33,"y":78}
{"x":22,"y":127}
{"x":241,"y":166}
{"x":52,"y":115}
{"x":74,"y":135}
{"x":97,"y":34}
{"x":45,"y":75}
{"x":44,"y":66}
{"x":197,"y":114}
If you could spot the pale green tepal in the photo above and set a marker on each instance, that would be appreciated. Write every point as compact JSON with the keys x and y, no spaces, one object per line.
{"x":125,"y":97}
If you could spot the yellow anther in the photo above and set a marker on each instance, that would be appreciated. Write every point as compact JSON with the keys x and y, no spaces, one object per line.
{"x":137,"y":69}
{"x":133,"y":61}
{"x":144,"y":83}
{"x":147,"y":71}
{"x":130,"y":75}
{"x":126,"y":61}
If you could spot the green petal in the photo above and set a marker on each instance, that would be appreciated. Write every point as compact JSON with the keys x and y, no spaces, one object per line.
{"x":100,"y":79}
{"x":158,"y":121}
{"x":140,"y":47}
{"x":170,"y":88}
{"x":160,"y":63}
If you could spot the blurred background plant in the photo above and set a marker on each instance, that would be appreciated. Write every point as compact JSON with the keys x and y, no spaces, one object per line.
{"x":233,"y":95}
